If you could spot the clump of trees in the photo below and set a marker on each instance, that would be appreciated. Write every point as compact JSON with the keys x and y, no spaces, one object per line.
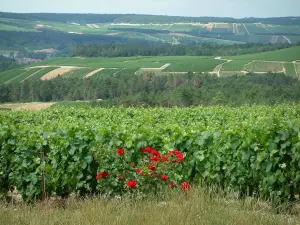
{"x":7,"y":63}
{"x":159,"y":90}
{"x":205,"y":49}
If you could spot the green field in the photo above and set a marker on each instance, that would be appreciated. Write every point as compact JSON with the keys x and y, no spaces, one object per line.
{"x":290,"y":69}
{"x":178,"y":63}
{"x":235,"y":65}
{"x":217,"y":32}
{"x":23,"y":76}
{"x":81,"y":73}
{"x":193,"y":64}
{"x":287,"y":54}
{"x":41,"y":73}
{"x":261,"y":62}
{"x":262,"y":66}
{"x":10,"y":74}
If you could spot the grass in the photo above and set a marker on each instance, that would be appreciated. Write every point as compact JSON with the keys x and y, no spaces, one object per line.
{"x":261,"y":66}
{"x":290,"y":69}
{"x":10,"y":74}
{"x":178,"y":63}
{"x":200,"y":206}
{"x":81,"y":73}
{"x":41,"y":73}
{"x":287,"y":54}
{"x":285,"y":29}
{"x":236,"y":65}
{"x":193,"y":64}
{"x":23,"y":76}
{"x":254,"y":29}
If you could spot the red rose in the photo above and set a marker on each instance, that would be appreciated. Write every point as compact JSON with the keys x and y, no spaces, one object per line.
{"x":165,"y":159}
{"x":172,"y":184}
{"x":101,"y":175}
{"x":120,"y":151}
{"x":146,"y":150}
{"x":164,"y":177}
{"x":151,"y":167}
{"x":138,"y":170}
{"x":154,"y":159}
{"x":185,"y":186}
{"x":177,"y":154}
{"x":120,"y":177}
{"x":132,"y":165}
{"x":131,"y":184}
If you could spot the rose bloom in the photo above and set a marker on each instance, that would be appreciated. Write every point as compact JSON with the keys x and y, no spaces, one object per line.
{"x":177,"y":154}
{"x":151,"y":167}
{"x":146,"y":150}
{"x":120,"y":151}
{"x":185,"y":186}
{"x":101,"y":175}
{"x":165,"y":159}
{"x":131,"y":184}
{"x":164,"y":177}
{"x":132,"y":165}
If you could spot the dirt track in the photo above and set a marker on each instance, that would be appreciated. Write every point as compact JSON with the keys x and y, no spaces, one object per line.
{"x":93,"y":72}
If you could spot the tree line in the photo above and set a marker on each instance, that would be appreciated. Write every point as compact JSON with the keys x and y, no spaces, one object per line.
{"x":7,"y":63}
{"x":205,"y":49}
{"x":159,"y":90}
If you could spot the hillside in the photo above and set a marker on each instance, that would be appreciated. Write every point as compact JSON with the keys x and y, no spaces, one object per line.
{"x":288,"y":54}
{"x":42,"y":31}
{"x":279,"y":61}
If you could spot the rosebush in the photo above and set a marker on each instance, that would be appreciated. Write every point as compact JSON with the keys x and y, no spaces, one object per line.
{"x":151,"y":172}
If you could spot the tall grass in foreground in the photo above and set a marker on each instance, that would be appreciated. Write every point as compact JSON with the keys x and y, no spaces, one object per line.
{"x":199,"y":206}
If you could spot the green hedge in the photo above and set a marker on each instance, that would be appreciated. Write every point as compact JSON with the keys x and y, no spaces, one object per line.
{"x":254,"y":150}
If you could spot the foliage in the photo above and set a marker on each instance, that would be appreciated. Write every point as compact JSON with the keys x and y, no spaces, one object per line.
{"x":205,"y":49}
{"x":252,"y":149}
{"x":123,"y":87}
{"x":7,"y":63}
{"x":139,"y":173}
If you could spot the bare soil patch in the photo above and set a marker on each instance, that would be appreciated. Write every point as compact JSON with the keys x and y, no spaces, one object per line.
{"x":113,"y":34}
{"x":27,"y":106}
{"x":47,"y":50}
{"x":59,"y":71}
{"x":181,"y":35}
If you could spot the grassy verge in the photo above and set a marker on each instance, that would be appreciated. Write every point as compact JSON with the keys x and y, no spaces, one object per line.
{"x":197,"y":207}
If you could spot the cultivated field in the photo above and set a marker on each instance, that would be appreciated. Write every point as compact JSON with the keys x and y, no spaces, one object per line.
{"x":218,"y":32}
{"x":275,"y":61}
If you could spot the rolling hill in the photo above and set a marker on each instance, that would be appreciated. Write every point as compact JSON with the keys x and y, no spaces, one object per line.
{"x":83,"y":28}
{"x":279,"y":61}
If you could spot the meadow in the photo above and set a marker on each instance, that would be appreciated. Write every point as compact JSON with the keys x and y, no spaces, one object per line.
{"x":207,"y":206}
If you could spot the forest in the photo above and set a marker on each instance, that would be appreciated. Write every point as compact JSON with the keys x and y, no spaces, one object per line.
{"x":159,"y":90}
{"x":7,"y":63}
{"x":205,"y":49}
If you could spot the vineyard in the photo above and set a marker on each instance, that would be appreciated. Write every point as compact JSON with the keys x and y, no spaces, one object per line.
{"x":253,"y":150}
